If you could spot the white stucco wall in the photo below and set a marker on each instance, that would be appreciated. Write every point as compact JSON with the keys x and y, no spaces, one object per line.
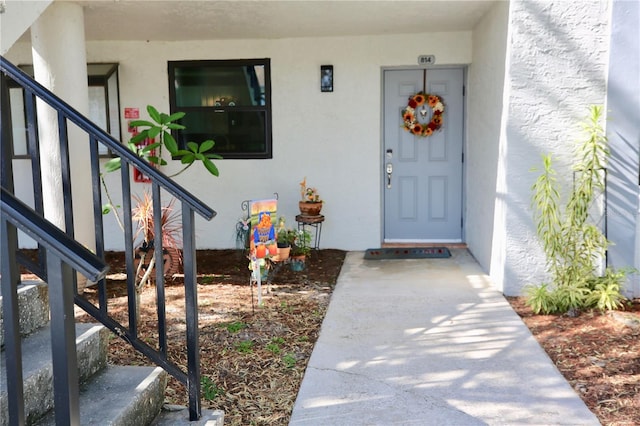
{"x":334,"y":139}
{"x":623,"y":131}
{"x":484,"y":111}
{"x":16,"y":18}
{"x":556,"y":67}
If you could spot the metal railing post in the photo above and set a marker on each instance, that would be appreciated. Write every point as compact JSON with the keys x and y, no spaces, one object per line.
{"x":12,"y":345}
{"x":63,"y":342}
{"x":191,"y":304}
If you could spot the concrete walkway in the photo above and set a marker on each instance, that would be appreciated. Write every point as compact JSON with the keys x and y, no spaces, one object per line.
{"x":429,"y":342}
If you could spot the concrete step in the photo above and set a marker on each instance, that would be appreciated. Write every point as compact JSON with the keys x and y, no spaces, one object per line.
{"x":91,"y":344}
{"x":120,"y":396}
{"x":178,"y":415}
{"x":33,"y":305}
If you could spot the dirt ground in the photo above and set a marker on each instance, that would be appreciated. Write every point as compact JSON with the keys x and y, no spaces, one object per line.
{"x":599,"y":355}
{"x":253,"y":357}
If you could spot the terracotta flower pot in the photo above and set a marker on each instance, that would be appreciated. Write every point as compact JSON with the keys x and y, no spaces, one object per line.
{"x":283,"y":254}
{"x":309,"y":209}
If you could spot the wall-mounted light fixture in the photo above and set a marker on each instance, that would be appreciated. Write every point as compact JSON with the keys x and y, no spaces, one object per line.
{"x":326,"y":78}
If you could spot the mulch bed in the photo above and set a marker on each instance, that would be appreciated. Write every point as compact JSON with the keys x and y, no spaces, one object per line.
{"x":599,"y":355}
{"x":253,"y":358}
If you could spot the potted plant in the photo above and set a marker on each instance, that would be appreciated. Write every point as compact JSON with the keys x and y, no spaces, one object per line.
{"x":310,"y":203}
{"x":286,"y":237}
{"x":158,"y":130}
{"x":300,"y":249}
{"x":171,"y":228}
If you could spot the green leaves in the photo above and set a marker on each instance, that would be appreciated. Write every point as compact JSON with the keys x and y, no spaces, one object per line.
{"x":573,"y":244}
{"x":195,"y":152}
{"x":158,"y":132}
{"x":112,"y":165}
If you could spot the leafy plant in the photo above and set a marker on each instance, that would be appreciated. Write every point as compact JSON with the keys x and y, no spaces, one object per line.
{"x":302,"y":243}
{"x":289,"y":360}
{"x":245,"y":347}
{"x":574,"y":246}
{"x":274,"y":345}
{"x":539,"y":298}
{"x":160,"y":127}
{"x":309,"y":194}
{"x":170,"y":224}
{"x":236,"y":326}
{"x":171,"y":228}
{"x":209,"y":389}
{"x":606,"y":291}
{"x":286,"y":237}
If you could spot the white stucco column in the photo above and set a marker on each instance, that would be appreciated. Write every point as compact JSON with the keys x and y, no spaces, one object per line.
{"x":60,"y":64}
{"x":556,"y":67}
{"x":623,"y":106}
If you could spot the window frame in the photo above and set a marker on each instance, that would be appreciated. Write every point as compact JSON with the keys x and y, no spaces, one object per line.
{"x":93,"y":80}
{"x":266,"y":108}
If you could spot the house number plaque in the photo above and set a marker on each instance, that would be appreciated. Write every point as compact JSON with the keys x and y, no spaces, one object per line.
{"x":426,"y":60}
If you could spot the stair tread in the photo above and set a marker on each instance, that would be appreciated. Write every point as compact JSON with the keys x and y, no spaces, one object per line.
{"x":172,"y":415}
{"x":33,"y":305}
{"x":114,"y":392}
{"x":36,"y":350}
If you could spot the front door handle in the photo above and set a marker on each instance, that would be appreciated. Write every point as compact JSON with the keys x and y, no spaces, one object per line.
{"x":389,"y":172}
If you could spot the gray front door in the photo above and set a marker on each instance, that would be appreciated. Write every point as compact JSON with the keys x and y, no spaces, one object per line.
{"x":423,"y":191}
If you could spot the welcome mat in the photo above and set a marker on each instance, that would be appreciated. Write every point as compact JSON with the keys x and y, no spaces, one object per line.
{"x":407,"y":253}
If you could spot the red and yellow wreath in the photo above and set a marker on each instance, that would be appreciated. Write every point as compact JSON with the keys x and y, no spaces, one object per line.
{"x":410,"y":115}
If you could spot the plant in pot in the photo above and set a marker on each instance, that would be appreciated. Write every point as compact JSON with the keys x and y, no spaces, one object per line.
{"x":310,"y":203}
{"x":158,"y":131}
{"x":171,"y":229}
{"x":286,"y":239}
{"x":300,"y":250}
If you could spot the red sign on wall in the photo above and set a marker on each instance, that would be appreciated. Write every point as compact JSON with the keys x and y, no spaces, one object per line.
{"x":132,"y":113}
{"x":138,"y":176}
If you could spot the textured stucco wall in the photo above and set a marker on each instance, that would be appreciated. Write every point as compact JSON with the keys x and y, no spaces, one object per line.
{"x":334,"y":139}
{"x":17,"y":17}
{"x":556,"y":67}
{"x":484,"y":108}
{"x":623,"y":131}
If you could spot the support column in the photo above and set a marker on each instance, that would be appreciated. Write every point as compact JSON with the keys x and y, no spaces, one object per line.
{"x":60,"y":64}
{"x":556,"y":67}
{"x":623,"y":105}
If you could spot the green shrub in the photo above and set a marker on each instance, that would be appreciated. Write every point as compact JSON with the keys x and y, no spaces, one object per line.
{"x":572,"y":243}
{"x":209,"y":389}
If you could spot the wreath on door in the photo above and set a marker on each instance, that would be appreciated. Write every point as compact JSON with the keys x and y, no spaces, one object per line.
{"x":417,"y":107}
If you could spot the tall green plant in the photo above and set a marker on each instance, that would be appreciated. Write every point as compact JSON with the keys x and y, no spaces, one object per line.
{"x":574,"y":246}
{"x":159,"y":129}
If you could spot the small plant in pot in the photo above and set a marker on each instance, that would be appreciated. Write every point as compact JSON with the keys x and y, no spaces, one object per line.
{"x":300,"y":250}
{"x":286,"y":239}
{"x":310,"y":203}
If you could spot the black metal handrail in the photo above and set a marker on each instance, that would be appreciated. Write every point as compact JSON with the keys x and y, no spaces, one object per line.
{"x":159,"y":181}
{"x":63,"y":256}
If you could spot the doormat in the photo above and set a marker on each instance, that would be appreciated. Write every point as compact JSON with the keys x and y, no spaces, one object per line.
{"x":408,"y":253}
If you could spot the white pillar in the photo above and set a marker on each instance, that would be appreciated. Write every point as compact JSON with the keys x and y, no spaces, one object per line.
{"x":556,"y":67}
{"x":60,"y":64}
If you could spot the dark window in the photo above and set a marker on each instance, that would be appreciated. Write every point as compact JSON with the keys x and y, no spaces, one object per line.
{"x":228,"y":101}
{"x":103,"y":105}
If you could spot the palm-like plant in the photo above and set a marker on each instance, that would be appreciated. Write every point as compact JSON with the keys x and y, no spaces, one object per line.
{"x":171,"y":228}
